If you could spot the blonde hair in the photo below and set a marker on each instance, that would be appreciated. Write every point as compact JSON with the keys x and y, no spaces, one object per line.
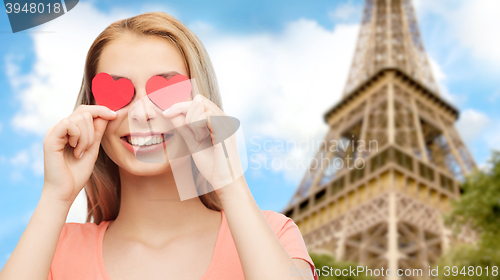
{"x":103,"y":188}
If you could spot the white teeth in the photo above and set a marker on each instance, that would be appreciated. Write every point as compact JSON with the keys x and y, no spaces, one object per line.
{"x":146,"y":141}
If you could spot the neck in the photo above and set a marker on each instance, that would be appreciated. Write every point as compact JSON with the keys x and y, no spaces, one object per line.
{"x":151,"y":205}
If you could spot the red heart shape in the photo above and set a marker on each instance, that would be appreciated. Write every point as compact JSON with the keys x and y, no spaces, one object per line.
{"x":165,"y":93}
{"x":110,"y":93}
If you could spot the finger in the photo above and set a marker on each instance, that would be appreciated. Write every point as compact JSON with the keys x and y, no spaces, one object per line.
{"x":90,"y":127}
{"x":220,"y":127}
{"x":186,"y":133}
{"x":99,"y":126}
{"x":200,"y":127}
{"x":196,"y":120}
{"x":82,"y":145}
{"x":195,"y":106}
{"x":210,"y":110}
{"x":66,"y":131}
{"x":73,"y":132}
{"x":209,"y":105}
{"x":87,"y":129}
{"x":63,"y":133}
{"x":176,"y":109}
{"x":98,"y":111}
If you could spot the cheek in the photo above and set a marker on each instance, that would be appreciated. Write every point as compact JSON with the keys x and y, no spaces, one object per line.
{"x":105,"y":142}
{"x":110,"y":139}
{"x":108,"y":147}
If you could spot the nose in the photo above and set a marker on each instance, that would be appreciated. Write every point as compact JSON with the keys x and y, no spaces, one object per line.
{"x":142,"y":111}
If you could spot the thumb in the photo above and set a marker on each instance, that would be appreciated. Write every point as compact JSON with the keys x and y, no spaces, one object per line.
{"x":99,"y":128}
{"x":185,"y":131}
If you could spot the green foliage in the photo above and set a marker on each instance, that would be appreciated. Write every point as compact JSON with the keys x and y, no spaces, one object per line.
{"x":326,"y":262}
{"x":479,"y":208}
{"x":479,"y":205}
{"x":468,"y":262}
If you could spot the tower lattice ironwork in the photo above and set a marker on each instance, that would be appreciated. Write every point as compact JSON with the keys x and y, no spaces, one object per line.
{"x":392,"y":160}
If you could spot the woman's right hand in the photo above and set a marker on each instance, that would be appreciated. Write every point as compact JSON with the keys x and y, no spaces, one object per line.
{"x":70,"y":150}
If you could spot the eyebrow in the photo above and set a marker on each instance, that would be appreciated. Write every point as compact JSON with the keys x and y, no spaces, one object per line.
{"x":166,"y":75}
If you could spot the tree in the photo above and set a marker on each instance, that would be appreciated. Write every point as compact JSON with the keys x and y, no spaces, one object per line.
{"x":479,"y":208}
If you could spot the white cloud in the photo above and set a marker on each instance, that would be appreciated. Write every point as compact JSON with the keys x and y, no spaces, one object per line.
{"x":30,"y":158}
{"x":12,"y":69}
{"x":423,"y":7}
{"x":291,"y":157}
{"x":469,"y":25}
{"x":37,"y":159}
{"x":492,"y":136}
{"x":472,"y":124}
{"x":346,"y":12}
{"x":475,"y":24}
{"x":281,"y":85}
{"x":494,"y":97}
{"x":479,"y":130}
{"x":20,"y":159}
{"x":440,"y":78}
{"x":437,"y":71}
{"x":201,"y":27}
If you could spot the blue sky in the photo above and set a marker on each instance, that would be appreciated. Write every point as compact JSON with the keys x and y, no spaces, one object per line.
{"x":295,"y":55}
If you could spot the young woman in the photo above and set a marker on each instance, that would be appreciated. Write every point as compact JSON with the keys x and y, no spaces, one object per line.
{"x":137,"y":227}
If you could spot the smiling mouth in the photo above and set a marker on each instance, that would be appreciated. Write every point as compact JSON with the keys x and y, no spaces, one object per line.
{"x":144,"y":141}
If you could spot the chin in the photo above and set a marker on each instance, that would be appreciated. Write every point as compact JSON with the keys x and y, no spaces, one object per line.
{"x":140,"y":168}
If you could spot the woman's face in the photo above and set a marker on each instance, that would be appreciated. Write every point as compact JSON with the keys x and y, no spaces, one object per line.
{"x":138,"y":59}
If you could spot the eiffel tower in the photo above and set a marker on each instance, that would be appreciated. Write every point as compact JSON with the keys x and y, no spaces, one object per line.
{"x":406,"y":157}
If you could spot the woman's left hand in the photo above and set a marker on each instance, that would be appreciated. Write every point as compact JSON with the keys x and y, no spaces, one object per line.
{"x":210,"y":137}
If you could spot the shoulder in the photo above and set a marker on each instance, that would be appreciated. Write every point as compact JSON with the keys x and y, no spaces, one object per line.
{"x":81,"y":227}
{"x":75,"y":231}
{"x":280,"y":223}
{"x":289,"y":236}
{"x":78,"y":237}
{"x":76,"y":255}
{"x":275,"y":219}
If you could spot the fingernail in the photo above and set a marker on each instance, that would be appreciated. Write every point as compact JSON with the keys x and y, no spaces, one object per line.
{"x":166,"y":111}
{"x":113,"y":112}
{"x":75,"y":144}
{"x":196,"y":136}
{"x":81,"y":154}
